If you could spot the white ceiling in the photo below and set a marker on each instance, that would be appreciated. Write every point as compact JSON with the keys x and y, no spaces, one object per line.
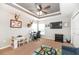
{"x":67,"y":9}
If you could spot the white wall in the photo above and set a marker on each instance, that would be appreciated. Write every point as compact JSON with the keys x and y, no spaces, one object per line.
{"x":75,"y":29}
{"x":7,"y":13}
{"x":4,"y":27}
{"x":66,"y":10}
{"x":50,"y":33}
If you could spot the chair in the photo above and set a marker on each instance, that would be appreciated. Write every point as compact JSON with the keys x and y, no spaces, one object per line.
{"x":25,"y":40}
{"x":12,"y":43}
{"x":34,"y":35}
{"x":38,"y":34}
{"x":20,"y":43}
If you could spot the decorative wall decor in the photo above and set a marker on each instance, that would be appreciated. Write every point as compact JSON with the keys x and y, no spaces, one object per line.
{"x":16,"y":17}
{"x":30,"y":24}
{"x":66,"y":24}
{"x":47,"y":25}
{"x":15,"y":24}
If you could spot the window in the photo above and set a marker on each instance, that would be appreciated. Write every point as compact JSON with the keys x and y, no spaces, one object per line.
{"x":34,"y":27}
{"x":42,"y":29}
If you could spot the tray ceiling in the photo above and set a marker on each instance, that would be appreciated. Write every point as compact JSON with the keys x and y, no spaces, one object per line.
{"x":50,"y":9}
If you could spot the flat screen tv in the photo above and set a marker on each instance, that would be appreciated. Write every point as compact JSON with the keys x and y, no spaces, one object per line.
{"x":56,"y":25}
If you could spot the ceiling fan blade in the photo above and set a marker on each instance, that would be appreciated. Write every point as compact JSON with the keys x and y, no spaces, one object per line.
{"x":40,"y":6}
{"x":47,"y":7}
{"x":44,"y":12}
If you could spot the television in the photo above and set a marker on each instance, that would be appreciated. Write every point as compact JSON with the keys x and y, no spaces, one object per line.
{"x":56,"y":25}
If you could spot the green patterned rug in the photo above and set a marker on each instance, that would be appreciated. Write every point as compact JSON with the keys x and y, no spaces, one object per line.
{"x":47,"y":50}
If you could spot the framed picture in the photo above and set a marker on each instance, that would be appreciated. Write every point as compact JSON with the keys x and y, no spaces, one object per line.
{"x":47,"y":25}
{"x":15,"y":24}
{"x":66,"y":24}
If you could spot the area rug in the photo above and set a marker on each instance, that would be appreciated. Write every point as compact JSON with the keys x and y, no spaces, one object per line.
{"x":47,"y":50}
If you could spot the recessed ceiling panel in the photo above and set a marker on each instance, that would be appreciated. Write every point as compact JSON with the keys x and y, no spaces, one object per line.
{"x":39,"y":10}
{"x":53,"y":7}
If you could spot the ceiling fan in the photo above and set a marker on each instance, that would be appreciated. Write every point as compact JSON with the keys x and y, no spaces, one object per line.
{"x":42,"y":9}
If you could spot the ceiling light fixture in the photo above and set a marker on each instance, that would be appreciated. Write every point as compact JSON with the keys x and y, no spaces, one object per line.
{"x":39,"y":13}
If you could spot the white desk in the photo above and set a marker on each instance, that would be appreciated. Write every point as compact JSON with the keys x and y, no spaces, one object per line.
{"x":15,"y":43}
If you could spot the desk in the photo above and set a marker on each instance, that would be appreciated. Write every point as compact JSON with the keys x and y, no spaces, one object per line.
{"x":16,"y":41}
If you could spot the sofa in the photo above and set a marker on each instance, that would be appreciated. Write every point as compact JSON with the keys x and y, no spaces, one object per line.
{"x":66,"y":50}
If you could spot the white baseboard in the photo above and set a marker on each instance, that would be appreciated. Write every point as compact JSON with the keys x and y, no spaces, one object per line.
{"x":5,"y":47}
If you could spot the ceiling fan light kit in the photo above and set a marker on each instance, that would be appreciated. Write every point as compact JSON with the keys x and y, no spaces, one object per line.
{"x":42,"y":9}
{"x":39,"y":13}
